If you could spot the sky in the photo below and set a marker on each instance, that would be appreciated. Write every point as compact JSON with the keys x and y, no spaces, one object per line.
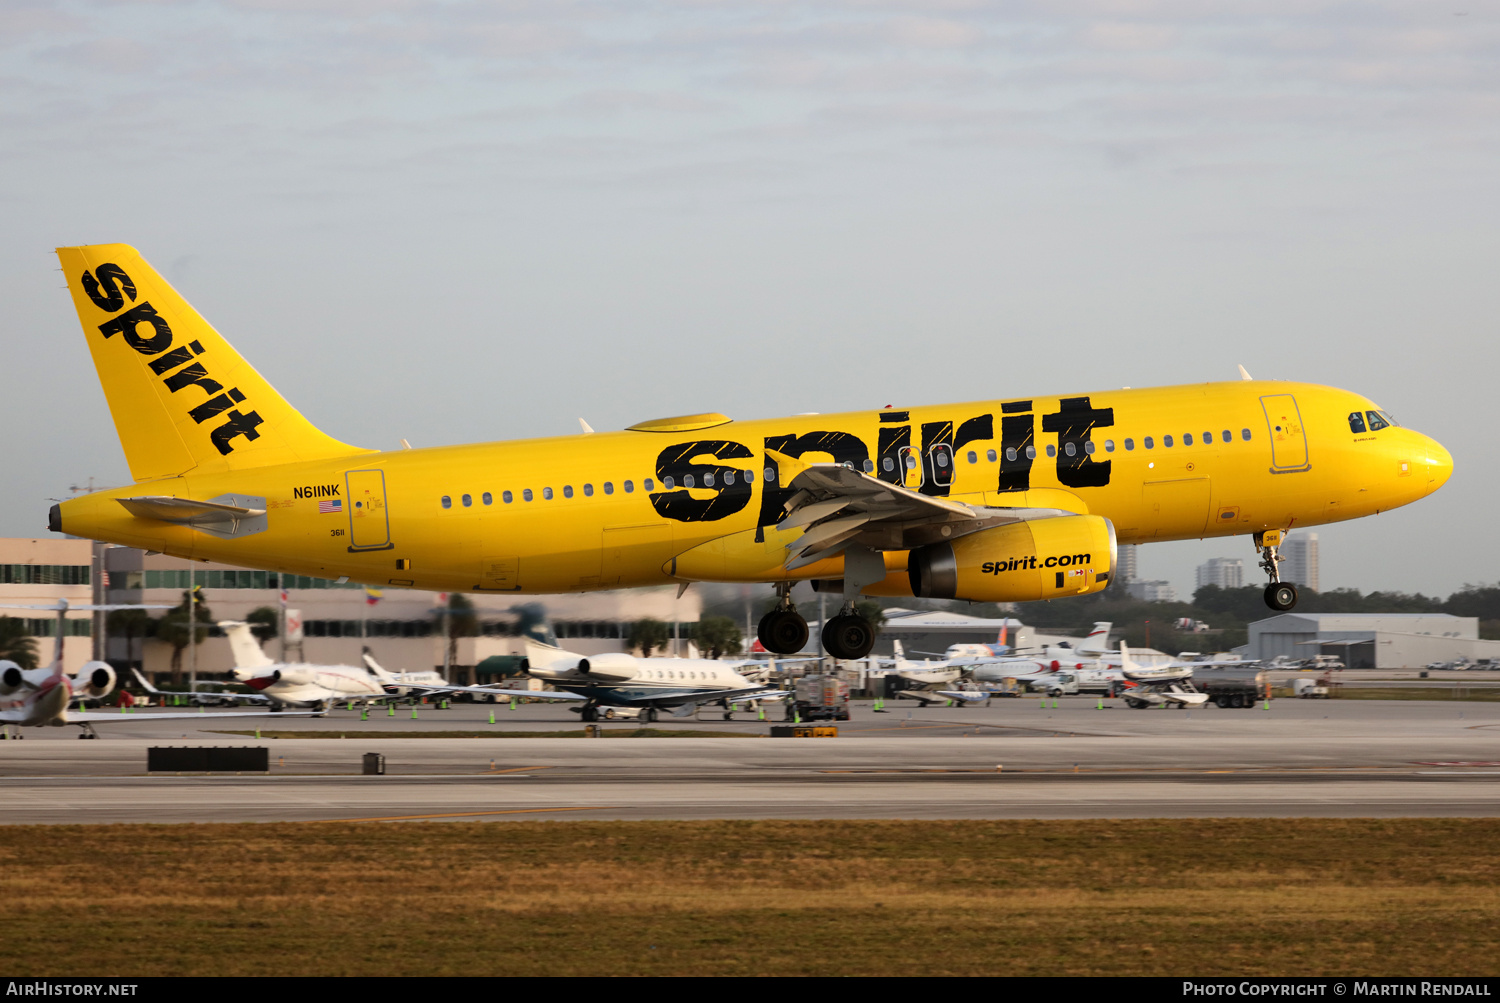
{"x":461,"y":221}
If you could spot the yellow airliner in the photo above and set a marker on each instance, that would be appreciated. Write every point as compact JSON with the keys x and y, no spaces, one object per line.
{"x":992,"y":501}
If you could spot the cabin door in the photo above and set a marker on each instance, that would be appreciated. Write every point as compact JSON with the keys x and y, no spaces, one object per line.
{"x":1288,"y":440}
{"x":369,"y":522}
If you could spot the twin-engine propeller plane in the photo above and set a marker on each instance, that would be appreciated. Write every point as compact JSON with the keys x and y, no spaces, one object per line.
{"x":995,"y":501}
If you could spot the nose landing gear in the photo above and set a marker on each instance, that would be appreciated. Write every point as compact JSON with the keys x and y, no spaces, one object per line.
{"x":1280,"y":596}
{"x":783,"y":630}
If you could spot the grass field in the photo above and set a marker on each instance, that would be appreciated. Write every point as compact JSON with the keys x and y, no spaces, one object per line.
{"x":604,"y":732}
{"x":1439,"y":692}
{"x":1167,"y":897}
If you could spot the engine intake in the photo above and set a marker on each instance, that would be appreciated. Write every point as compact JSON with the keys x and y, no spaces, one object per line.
{"x":95,"y":679}
{"x":1024,"y":561}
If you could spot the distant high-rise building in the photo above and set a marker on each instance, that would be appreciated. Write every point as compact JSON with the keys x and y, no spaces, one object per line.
{"x":1301,"y":564}
{"x":1225,"y":572}
{"x":1125,"y":571}
{"x":1159,"y":591}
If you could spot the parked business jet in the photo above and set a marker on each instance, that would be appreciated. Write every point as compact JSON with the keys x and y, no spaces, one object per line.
{"x":31,"y":698}
{"x":996,"y":501}
{"x":615,"y":679}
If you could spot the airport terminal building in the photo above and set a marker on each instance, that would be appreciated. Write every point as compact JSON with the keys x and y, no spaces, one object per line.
{"x":1371,"y":640}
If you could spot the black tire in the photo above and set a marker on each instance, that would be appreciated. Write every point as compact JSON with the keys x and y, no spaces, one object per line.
{"x":648,"y":715}
{"x":782,"y":632}
{"x":1281,"y":596}
{"x":590,"y":714}
{"x":848,"y":635}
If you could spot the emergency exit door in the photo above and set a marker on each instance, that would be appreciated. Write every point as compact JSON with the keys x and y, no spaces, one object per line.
{"x":369,"y":522}
{"x":1288,"y":440}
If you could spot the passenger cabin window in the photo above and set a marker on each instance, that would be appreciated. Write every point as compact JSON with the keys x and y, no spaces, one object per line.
{"x":770,"y":475}
{"x":1051,"y":450}
{"x":588,"y":491}
{"x":1148,"y":442}
{"x":567,"y":491}
{"x":1227,"y":436}
{"x":467,"y":500}
{"x":487,"y":498}
{"x":1377,"y":421}
{"x":609,"y":487}
{"x":1109,"y":445}
{"x":1089,"y":447}
{"x":507,"y":497}
{"x":1129,"y":445}
{"x":1356,"y":422}
{"x":629,"y":487}
{"x":1208,"y":437}
{"x":887,"y":464}
{"x":989,"y":454}
{"x":650,"y":485}
{"x":546,"y":494}
{"x":1031,"y":452}
{"x":1010,"y":454}
{"x":1245,"y":434}
{"x":869,"y":469}
{"x":1187,"y":439}
{"x":973,"y":456}
{"x":667,"y":482}
{"x":1070,"y":448}
{"x":689,"y":481}
{"x":526,"y":494}
{"x":447,"y":502}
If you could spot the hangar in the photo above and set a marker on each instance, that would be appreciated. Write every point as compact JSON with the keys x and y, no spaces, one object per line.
{"x":1371,"y":640}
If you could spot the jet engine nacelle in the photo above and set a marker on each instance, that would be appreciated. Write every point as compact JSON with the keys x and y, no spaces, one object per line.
{"x":1022,"y":562}
{"x":294,"y":676}
{"x":611,"y":666}
{"x":10,"y":677}
{"x":95,"y":680}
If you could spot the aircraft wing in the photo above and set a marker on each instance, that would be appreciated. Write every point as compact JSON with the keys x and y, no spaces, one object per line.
{"x":689,"y":699}
{"x":247,"y":697}
{"x":535,"y":694}
{"x":840,"y":505}
{"x":924,"y":696}
{"x":966,"y":696}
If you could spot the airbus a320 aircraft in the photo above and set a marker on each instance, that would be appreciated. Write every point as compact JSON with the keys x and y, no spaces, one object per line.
{"x":994,"y":501}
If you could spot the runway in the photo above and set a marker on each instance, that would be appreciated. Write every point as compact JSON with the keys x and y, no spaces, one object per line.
{"x":1018,"y":760}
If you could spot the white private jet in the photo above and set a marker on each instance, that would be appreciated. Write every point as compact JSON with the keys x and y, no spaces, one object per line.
{"x":1158,"y":685}
{"x":31,"y":698}
{"x":614,"y":679}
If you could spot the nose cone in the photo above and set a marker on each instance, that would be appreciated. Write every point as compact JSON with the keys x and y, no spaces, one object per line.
{"x":1439,"y":465}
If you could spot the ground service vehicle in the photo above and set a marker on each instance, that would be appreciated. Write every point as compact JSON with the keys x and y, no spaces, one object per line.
{"x":819,"y":698}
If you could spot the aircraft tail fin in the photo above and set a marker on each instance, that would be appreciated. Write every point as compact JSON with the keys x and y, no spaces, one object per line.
{"x":1125,"y":663}
{"x":375,"y":667}
{"x":1097,"y":643}
{"x":244,"y":646}
{"x":898,"y":650}
{"x":181,"y":396}
{"x":145,"y":683}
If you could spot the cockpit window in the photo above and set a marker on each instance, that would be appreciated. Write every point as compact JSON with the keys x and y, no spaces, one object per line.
{"x":1377,"y":420}
{"x":1388,"y":419}
{"x":1356,"y":422}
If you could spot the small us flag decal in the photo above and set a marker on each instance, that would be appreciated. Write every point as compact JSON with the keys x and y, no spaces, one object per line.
{"x":326,"y":507}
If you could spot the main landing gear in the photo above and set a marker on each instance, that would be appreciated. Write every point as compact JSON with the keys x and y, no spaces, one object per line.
{"x":1280,"y":596}
{"x":848,"y":635}
{"x":783,"y":631}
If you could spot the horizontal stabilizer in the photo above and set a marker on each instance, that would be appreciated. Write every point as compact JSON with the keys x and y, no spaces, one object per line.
{"x":225,"y":516}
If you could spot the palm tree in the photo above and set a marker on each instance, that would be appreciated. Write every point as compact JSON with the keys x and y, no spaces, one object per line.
{"x":647,"y":634}
{"x":131,"y":624}
{"x":265,"y":623}
{"x":175,"y":630}
{"x":15,"y":644}
{"x":718,"y":636}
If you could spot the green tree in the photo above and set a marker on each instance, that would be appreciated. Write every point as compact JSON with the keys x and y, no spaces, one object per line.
{"x":265,"y":623}
{"x":647,"y":635}
{"x":719,"y":636}
{"x":176,"y":629}
{"x":462,"y":622}
{"x":15,"y":644}
{"x":871,"y":611}
{"x":130,"y":624}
